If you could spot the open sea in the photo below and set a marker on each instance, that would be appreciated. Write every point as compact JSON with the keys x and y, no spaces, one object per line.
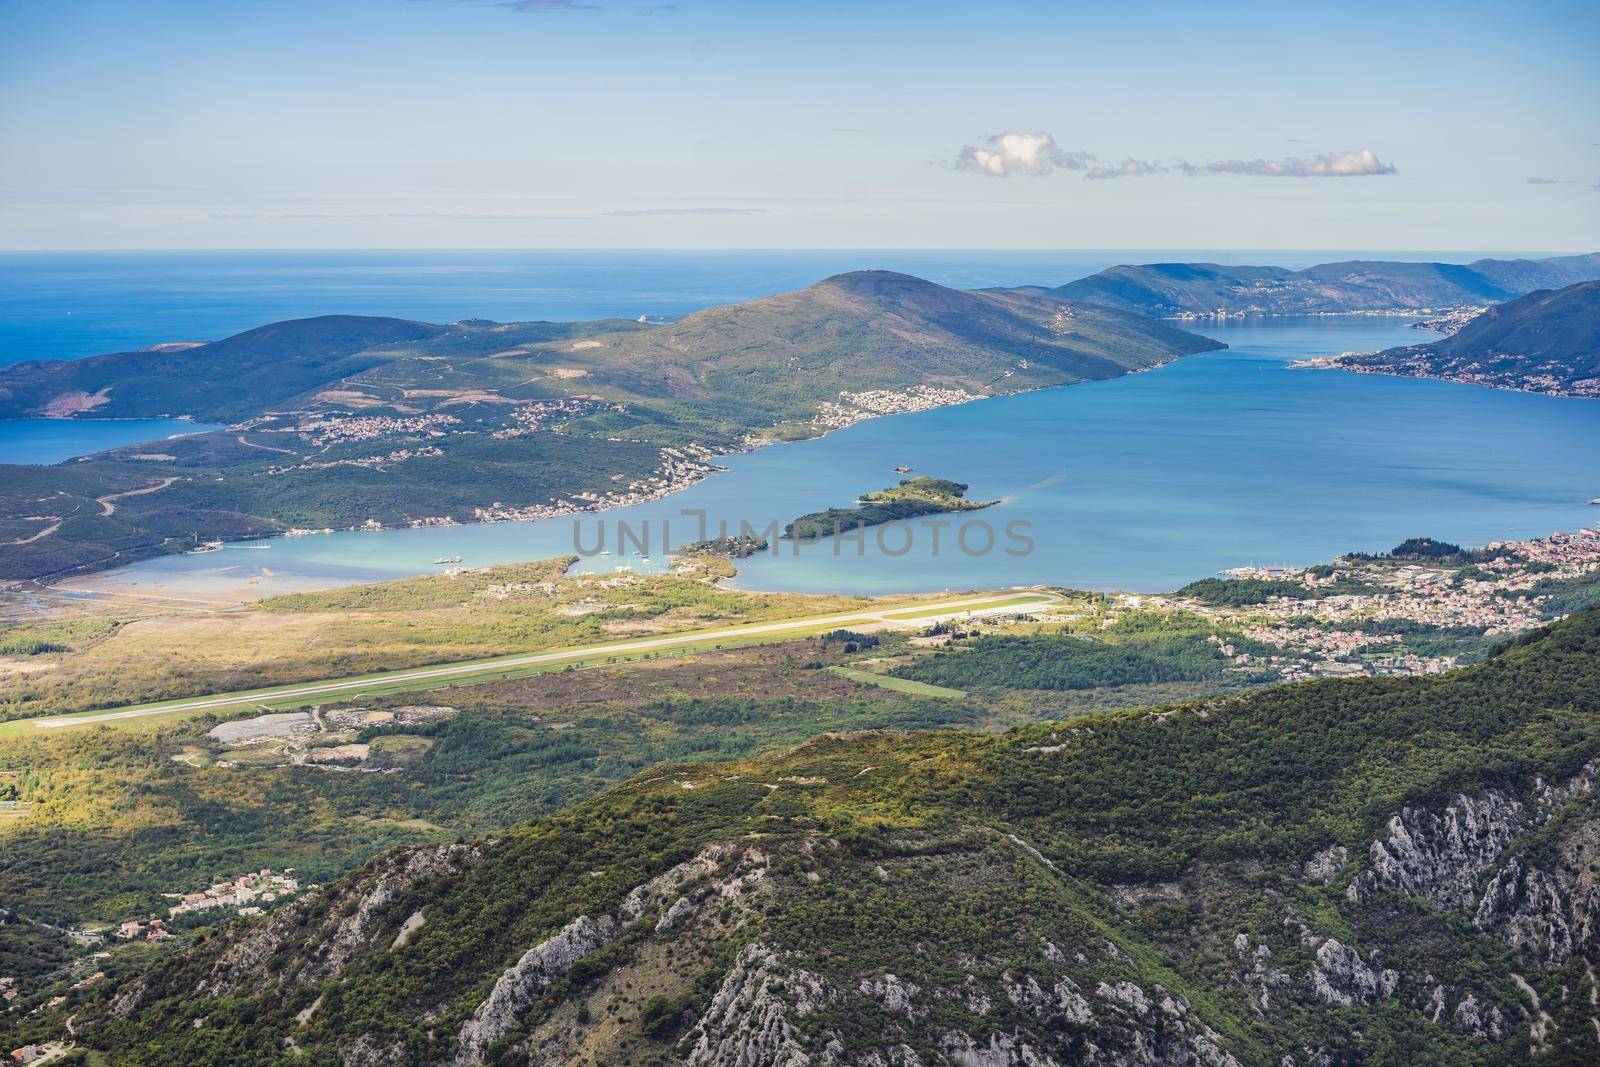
{"x":1140,"y":483}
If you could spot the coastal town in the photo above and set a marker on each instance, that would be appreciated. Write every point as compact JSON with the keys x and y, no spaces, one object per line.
{"x":1449,"y":322}
{"x":341,"y":427}
{"x":679,"y":468}
{"x":854,"y":407}
{"x":1550,"y":378}
{"x":1367,"y":615}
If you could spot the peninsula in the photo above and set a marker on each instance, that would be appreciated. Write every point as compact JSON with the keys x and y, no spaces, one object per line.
{"x":349,"y":422}
{"x":1545,"y":342}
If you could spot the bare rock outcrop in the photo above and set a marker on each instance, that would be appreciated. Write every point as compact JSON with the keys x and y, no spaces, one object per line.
{"x":1341,"y":977}
{"x":526,"y":981}
{"x":1263,"y":980}
{"x":748,"y":1021}
{"x":1471,"y":856}
{"x":1549,"y":909}
{"x":330,"y":927}
{"x":1438,"y":855}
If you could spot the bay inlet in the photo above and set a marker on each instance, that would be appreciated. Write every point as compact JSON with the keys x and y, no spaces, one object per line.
{"x":1143,"y":482}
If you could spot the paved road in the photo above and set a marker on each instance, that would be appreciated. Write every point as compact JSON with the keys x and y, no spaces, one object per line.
{"x":886,"y":616}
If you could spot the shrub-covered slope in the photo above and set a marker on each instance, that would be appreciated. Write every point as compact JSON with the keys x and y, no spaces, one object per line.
{"x":1387,"y":871}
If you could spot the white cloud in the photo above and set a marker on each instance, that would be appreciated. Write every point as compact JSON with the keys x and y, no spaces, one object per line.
{"x":1327,"y":165}
{"x":1128,"y":168}
{"x":1004,"y":155}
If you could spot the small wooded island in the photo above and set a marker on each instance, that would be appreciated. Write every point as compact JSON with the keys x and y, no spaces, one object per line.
{"x":912,"y":497}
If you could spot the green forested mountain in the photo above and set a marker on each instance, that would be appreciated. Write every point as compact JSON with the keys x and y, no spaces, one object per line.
{"x":1178,"y":289}
{"x":1547,"y":342}
{"x":344,"y":421}
{"x":222,"y":381}
{"x":1387,"y":871}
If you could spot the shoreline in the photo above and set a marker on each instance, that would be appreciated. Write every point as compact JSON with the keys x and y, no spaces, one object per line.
{"x":206,"y":583}
{"x":704,"y":468}
{"x":1336,"y":363}
{"x":1374,"y":313}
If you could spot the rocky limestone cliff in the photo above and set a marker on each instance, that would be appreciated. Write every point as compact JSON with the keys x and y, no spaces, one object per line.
{"x":1460,"y":857}
{"x":530,"y":977}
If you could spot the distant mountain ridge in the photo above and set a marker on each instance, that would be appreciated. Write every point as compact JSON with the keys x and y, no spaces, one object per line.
{"x":862,"y":330}
{"x":1190,"y":290}
{"x":1545,"y":342}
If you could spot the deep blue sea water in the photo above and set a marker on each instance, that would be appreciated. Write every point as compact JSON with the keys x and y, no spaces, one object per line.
{"x":53,"y":440}
{"x":1143,"y":482}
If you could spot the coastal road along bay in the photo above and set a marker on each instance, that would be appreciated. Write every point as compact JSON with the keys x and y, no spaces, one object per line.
{"x":299,"y":694}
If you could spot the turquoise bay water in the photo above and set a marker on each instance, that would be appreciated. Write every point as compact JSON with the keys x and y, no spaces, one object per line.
{"x":1144,"y":482}
{"x":54,"y":440}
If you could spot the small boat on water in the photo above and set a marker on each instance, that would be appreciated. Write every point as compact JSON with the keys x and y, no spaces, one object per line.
{"x":209,"y":546}
{"x":902,"y":469}
{"x":1595,"y":501}
{"x":444,"y":560}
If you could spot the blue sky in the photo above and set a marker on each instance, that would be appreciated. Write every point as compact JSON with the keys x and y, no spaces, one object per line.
{"x":471,"y":123}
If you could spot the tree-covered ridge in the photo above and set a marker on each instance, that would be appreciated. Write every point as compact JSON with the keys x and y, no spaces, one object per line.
{"x":922,"y":495}
{"x":1202,"y":882}
{"x":229,"y":380}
